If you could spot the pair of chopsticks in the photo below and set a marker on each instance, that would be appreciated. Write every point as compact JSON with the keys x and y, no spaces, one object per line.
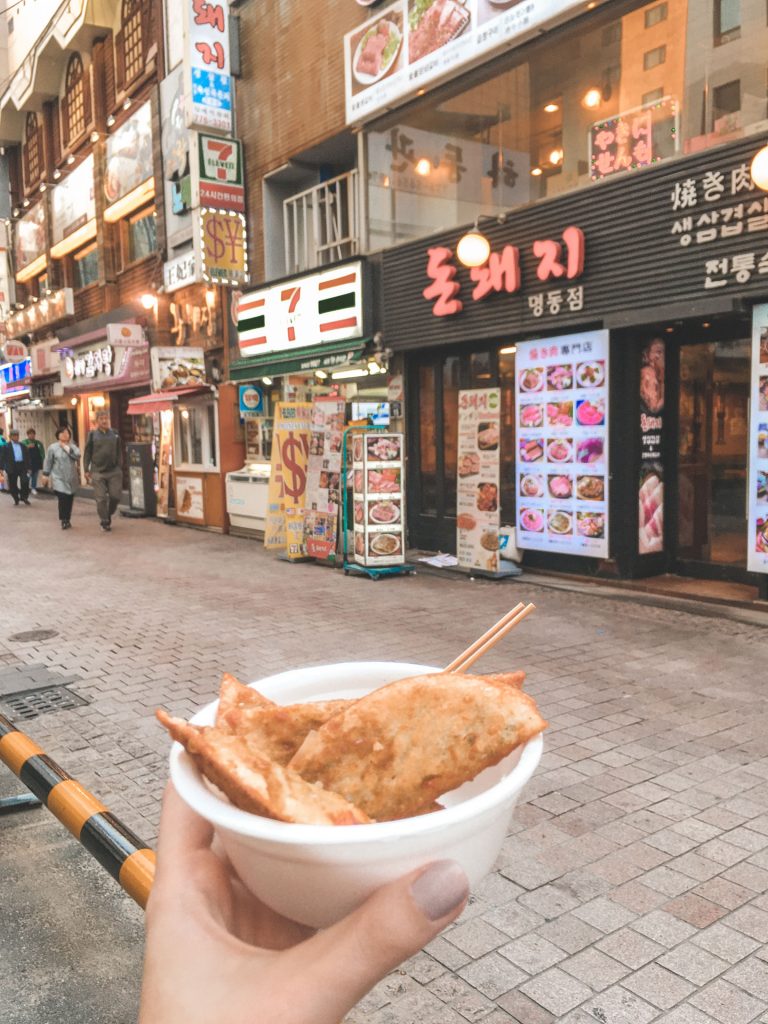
{"x":484,"y":643}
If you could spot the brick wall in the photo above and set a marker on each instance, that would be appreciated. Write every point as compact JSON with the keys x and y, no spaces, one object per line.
{"x":291,"y":93}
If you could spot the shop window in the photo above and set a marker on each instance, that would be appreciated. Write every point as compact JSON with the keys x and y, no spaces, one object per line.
{"x":140,"y":235}
{"x":76,"y":101}
{"x":32,"y":156}
{"x":653,"y":96}
{"x":86,"y":266}
{"x":727,"y":21}
{"x":726,"y":100}
{"x":654,"y":15}
{"x":196,"y":436}
{"x":653,"y":58}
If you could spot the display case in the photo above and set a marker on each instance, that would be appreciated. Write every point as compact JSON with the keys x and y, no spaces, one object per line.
{"x":378,"y":494}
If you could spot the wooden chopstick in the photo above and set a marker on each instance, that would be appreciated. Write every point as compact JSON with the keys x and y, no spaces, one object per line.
{"x":496,"y":637}
{"x":454,"y":665}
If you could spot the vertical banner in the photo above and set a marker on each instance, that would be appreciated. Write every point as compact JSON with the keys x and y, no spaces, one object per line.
{"x":650,"y":537}
{"x":477,"y":493}
{"x":207,"y":64}
{"x":561,"y":394}
{"x":164,"y":463}
{"x":323,"y":498}
{"x":757,"y":546}
{"x":288,"y":477}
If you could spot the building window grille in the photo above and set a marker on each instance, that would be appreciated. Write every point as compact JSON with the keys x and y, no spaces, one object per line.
{"x":32,"y":147}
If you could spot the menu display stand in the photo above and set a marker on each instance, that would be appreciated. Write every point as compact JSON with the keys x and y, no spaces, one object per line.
{"x":378,"y":514}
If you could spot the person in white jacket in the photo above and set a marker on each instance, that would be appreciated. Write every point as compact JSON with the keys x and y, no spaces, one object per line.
{"x":60,"y":467}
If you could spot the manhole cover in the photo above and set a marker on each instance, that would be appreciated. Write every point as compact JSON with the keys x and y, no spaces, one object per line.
{"x":32,"y":703}
{"x":33,"y":635}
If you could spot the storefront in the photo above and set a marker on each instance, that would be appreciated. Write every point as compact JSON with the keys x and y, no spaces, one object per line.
{"x":617,"y":328}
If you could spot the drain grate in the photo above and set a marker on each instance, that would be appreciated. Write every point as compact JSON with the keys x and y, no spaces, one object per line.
{"x":33,"y":635}
{"x":46,"y":699}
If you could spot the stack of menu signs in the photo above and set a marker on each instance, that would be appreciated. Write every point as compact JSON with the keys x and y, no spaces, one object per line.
{"x":323,"y":495}
{"x":561,"y":399}
{"x":757,"y":558}
{"x":477,"y":492}
{"x":378,"y":491}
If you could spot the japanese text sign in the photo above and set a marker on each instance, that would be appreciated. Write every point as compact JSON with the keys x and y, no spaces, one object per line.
{"x":635,"y":138}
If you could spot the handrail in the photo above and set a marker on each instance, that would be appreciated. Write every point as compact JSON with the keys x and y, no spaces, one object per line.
{"x":322,"y":224}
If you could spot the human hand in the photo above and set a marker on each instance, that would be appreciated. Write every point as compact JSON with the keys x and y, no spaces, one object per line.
{"x":214,"y":953}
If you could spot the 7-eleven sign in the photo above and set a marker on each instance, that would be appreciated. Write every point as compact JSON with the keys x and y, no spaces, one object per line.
{"x":219,"y":173}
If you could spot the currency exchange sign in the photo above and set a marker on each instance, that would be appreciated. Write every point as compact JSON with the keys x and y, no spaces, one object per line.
{"x":223,"y":247}
{"x":288,"y":477}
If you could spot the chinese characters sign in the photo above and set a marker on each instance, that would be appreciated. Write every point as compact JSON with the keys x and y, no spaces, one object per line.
{"x":757,"y":541}
{"x":208,"y":61}
{"x":561,"y":402}
{"x":636,"y":138}
{"x":477,"y":491}
{"x":223,"y":247}
{"x":413,"y":44}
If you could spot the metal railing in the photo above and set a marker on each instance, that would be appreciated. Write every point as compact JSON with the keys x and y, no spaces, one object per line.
{"x":322,"y":224}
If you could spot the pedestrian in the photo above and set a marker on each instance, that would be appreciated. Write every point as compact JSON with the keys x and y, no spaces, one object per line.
{"x":102,"y":464}
{"x":36,"y":456}
{"x":15,"y":464}
{"x":60,"y":468}
{"x":3,"y":442}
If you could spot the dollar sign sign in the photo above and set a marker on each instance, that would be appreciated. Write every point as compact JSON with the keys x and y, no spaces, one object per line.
{"x":294,"y":477}
{"x":216,"y":245}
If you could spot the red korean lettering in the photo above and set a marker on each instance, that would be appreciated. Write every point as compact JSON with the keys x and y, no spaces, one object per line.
{"x":501,"y":272}
{"x":575,"y":244}
{"x":444,"y":288}
{"x":550,"y":255}
{"x":208,"y":14}
{"x":212,"y":54}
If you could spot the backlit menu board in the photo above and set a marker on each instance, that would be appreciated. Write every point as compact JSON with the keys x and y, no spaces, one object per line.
{"x":561,"y":392}
{"x":477,"y":486}
{"x":757,"y":547}
{"x":379,"y":498}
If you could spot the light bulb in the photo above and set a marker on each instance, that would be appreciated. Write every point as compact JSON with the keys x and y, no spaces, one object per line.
{"x":592,"y":98}
{"x":759,"y":169}
{"x":473,"y":249}
{"x":423,"y":167}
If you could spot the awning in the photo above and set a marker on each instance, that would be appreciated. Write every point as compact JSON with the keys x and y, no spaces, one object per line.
{"x":329,"y":356}
{"x":144,"y":405}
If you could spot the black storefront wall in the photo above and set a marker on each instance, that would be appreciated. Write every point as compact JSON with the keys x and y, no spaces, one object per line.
{"x":636,"y":272}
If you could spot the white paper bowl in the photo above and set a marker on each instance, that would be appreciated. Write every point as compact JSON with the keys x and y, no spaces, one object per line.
{"x":316,"y":874}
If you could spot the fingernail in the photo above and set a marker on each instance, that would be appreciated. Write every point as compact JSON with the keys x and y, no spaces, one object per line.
{"x":440,"y":889}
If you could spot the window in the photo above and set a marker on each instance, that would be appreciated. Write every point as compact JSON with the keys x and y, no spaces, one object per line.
{"x":726,"y":100}
{"x":76,"y":102}
{"x":131,"y":42}
{"x":654,"y":15}
{"x":727,"y":21}
{"x":32,"y":154}
{"x":86,"y":263}
{"x":653,"y":58}
{"x":652,"y":97}
{"x":196,"y":436}
{"x":141,"y":235}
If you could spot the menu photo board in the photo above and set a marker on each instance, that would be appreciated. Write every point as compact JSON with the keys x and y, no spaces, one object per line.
{"x":477,"y":490}
{"x":650,"y":538}
{"x":561,"y":401}
{"x":378,"y":492}
{"x":323,"y":496}
{"x":757,"y":547}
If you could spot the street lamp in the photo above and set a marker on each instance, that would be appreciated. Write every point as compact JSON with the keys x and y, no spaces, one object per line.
{"x":474,"y":248}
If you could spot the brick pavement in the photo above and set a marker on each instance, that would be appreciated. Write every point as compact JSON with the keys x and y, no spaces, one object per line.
{"x":632,"y":886}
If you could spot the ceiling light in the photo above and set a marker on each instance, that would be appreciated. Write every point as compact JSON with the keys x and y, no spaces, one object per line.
{"x":95,"y":136}
{"x":321,"y":375}
{"x":43,"y":186}
{"x":536,"y":172}
{"x":592,"y":98}
{"x":127,"y":103}
{"x":670,"y":330}
{"x":266,"y":380}
{"x":16,"y":211}
{"x":423,"y":167}
{"x":147,"y":300}
{"x":210,"y":296}
{"x":73,"y":401}
{"x":510,"y":351}
{"x":556,"y":156}
{"x":551,"y":108}
{"x":71,"y":158}
{"x":25,"y":204}
{"x":706,"y":324}
{"x":473,"y":249}
{"x":347,"y":374}
{"x":56,"y":174}
{"x":110,"y":120}
{"x":759,"y":169}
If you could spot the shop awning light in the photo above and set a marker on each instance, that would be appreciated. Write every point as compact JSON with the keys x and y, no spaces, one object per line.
{"x":592,"y":98}
{"x":348,"y":374}
{"x":321,"y":375}
{"x":423,"y":167}
{"x":551,"y":108}
{"x":473,"y":249}
{"x":759,"y":169}
{"x":266,"y":380}
{"x":509,"y":351}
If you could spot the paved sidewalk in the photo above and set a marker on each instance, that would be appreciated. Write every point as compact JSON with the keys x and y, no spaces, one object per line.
{"x":632,"y":887}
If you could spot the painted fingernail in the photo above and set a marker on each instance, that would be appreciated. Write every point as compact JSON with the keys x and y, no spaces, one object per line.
{"x":439,"y":889}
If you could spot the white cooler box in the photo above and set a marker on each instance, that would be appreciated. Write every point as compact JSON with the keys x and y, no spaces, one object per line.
{"x":247,"y":491}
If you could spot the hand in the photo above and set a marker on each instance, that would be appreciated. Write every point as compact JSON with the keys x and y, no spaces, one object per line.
{"x":215,"y":954}
{"x":43,"y":480}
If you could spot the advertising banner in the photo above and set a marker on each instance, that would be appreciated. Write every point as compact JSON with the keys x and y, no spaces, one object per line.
{"x":288,"y":477}
{"x":189,"y":498}
{"x":323,"y":499}
{"x":73,"y":203}
{"x":29,"y":237}
{"x":411,"y":45}
{"x":129,"y":155}
{"x":177,"y":367}
{"x":651,"y":485}
{"x":477,"y":488}
{"x":224,"y":247}
{"x":561,"y":399}
{"x":207,"y":65}
{"x":757,"y":546}
{"x":164,"y":463}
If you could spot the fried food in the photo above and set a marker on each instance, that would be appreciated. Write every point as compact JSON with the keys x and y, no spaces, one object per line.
{"x":395,"y":751}
{"x":253,"y":782}
{"x":279,"y":731}
{"x":233,"y":695}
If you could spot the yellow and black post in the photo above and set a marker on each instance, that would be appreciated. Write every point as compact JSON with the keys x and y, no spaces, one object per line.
{"x":115,"y":847}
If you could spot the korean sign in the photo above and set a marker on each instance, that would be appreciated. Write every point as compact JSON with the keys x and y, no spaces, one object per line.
{"x":561,"y":401}
{"x":104,"y":366}
{"x":208,"y":64}
{"x":219,"y":180}
{"x":307,"y":311}
{"x":223,"y":246}
{"x":413,"y":44}
{"x":757,"y":543}
{"x":477,"y":492}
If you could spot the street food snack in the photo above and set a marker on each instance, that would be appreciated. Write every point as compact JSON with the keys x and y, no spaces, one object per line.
{"x":391,"y":754}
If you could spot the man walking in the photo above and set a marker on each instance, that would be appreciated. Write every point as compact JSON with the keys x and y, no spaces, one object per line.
{"x":102,"y":461}
{"x":15,"y":465}
{"x":36,"y":457}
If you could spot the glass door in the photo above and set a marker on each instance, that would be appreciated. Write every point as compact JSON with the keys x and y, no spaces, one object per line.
{"x":712,"y":454}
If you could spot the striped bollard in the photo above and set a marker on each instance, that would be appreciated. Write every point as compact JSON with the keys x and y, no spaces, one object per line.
{"x":115,"y":847}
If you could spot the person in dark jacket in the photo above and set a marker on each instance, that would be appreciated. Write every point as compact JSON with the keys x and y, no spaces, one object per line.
{"x":15,"y":466}
{"x":102,"y":462}
{"x":36,"y":457}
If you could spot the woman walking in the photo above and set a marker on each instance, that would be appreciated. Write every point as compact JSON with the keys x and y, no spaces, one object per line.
{"x":61,"y":469}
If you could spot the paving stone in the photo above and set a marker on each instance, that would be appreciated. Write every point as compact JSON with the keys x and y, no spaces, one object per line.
{"x":476,"y":938}
{"x":524,"y":1010}
{"x":569,"y":933}
{"x":663,"y":928}
{"x":727,"y":1004}
{"x":750,"y":921}
{"x":604,"y":914}
{"x":595,"y":969}
{"x":693,"y":963}
{"x":630,"y":948}
{"x":695,"y":910}
{"x":725,"y":942}
{"x":532,"y":953}
{"x":492,"y":975}
{"x":618,"y":1006}
{"x":686,"y":1015}
{"x":556,"y":991}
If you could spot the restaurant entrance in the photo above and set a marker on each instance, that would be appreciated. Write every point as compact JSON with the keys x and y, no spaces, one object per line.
{"x":712,"y":454}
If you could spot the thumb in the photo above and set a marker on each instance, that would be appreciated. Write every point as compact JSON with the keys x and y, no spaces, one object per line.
{"x":392,"y":925}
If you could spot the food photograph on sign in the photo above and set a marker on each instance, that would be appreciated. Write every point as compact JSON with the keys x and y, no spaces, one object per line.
{"x":562,"y":446}
{"x":378,"y":49}
{"x":757,"y":539}
{"x":129,"y":155}
{"x":651,"y":484}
